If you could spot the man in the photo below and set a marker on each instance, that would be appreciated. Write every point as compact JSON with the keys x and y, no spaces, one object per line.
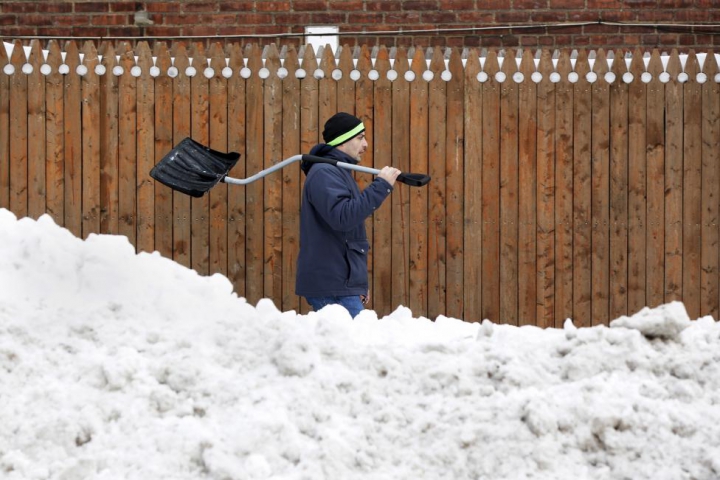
{"x":332,"y":263}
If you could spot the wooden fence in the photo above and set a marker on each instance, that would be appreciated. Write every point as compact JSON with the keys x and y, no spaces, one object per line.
{"x":567,"y":196}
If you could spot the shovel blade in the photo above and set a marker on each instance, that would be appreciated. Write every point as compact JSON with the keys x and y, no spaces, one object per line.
{"x":193,"y":168}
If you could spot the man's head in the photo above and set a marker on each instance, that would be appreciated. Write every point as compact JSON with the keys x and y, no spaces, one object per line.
{"x":346,"y":133}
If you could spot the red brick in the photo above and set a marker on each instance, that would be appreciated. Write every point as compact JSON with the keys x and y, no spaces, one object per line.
{"x":404,"y":18}
{"x":8,"y":20}
{"x":346,"y":5}
{"x":162,"y":7}
{"x":204,"y":7}
{"x":328,"y":18}
{"x":123,"y":7}
{"x":92,"y":7}
{"x":604,"y":4}
{"x":467,"y":5}
{"x":411,"y":5}
{"x":309,"y":5}
{"x":386,"y":6}
{"x":438,"y":17}
{"x":219,"y":19}
{"x":16,"y":7}
{"x":111,"y":20}
{"x":268,"y":6}
{"x":530,"y":4}
{"x":54,"y":7}
{"x":227,"y":6}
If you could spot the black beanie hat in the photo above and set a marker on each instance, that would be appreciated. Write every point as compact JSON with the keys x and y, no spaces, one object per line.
{"x":342,"y":127}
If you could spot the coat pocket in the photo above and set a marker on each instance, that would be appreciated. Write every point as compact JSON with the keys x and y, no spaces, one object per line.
{"x":356,"y":256}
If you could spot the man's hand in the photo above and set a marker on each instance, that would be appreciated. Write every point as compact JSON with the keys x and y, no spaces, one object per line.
{"x":365,"y":298}
{"x":389,"y":174}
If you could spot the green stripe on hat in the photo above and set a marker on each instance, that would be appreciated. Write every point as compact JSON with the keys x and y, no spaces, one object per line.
{"x":347,"y":136}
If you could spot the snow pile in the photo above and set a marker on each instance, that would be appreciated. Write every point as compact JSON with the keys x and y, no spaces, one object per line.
{"x":115,"y":365}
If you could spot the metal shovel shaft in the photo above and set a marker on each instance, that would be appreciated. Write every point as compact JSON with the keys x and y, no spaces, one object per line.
{"x":288,"y":161}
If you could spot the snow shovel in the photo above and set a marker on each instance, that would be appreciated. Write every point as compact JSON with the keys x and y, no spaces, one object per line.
{"x":193,"y":168}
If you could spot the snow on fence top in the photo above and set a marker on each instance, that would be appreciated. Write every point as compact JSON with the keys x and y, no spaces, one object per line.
{"x":399,"y":63}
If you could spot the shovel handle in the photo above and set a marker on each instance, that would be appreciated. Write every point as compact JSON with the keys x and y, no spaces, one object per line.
{"x":411,"y":179}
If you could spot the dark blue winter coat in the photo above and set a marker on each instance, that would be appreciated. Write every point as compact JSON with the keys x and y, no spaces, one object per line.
{"x":333,"y":242}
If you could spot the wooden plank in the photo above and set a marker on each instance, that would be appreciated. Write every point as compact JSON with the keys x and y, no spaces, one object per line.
{"x":454,"y":181}
{"x":692,"y":190}
{"x":218,"y":195}
{"x":381,"y":144}
{"x":540,"y":187}
{"x":619,"y":135}
{"x":491,"y":192}
{"x":236,"y":196}
{"x":37,"y":191}
{"x":109,"y":142}
{"x":345,"y":89}
{"x":364,"y":104}
{"x":472,"y":190}
{"x":181,"y":113}
{"x":127,"y":145}
{"x":255,"y":236}
{"x":419,"y":126}
{"x":437,"y":231}
{"x":73,"y":142}
{"x":5,"y":132}
{"x":528,"y":155}
{"x":709,"y":283}
{"x":145,"y":151}
{"x":655,"y":148}
{"x":273,"y":192}
{"x":582,"y":202}
{"x":310,"y":121}
{"x":163,"y":129}
{"x":90,"y":142}
{"x":600,"y":184}
{"x":509,"y":194}
{"x":200,"y":131}
{"x":637,"y":185}
{"x":292,"y":180}
{"x":564,"y":198}
{"x":400,"y":198}
{"x":327,"y":86}
{"x":55,"y":166}
{"x":18,"y":134}
{"x":674,"y":192}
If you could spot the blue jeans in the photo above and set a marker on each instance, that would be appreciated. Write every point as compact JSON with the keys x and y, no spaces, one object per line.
{"x":352,"y":303}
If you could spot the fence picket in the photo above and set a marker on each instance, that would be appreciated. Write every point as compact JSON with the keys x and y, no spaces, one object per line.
{"x":18,"y":135}
{"x":37,"y":184}
{"x":710,"y":132}
{"x":619,"y":128}
{"x":528,"y":152}
{"x":454,"y":181}
{"x":491,"y":191}
{"x":400,"y":198}
{"x":292,"y":180}
{"x":419,"y":128}
{"x":55,"y":161}
{"x":5,"y":131}
{"x":600,"y":185}
{"x":437,"y":233}
{"x":381,"y":143}
{"x":181,"y":115}
{"x":541,"y":191}
{"x":655,"y":147}
{"x":163,"y":128}
{"x":109,"y":132}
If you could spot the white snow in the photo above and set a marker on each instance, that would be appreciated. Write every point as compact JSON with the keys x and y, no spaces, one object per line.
{"x":116,"y":365}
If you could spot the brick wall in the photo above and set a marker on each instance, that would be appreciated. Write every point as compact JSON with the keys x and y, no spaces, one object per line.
{"x":415,"y":21}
